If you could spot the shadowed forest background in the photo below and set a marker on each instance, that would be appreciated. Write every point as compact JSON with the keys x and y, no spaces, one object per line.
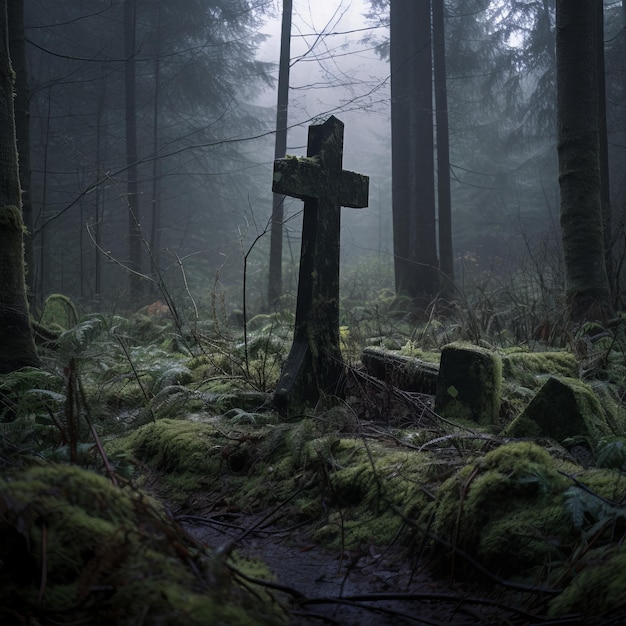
{"x":186,"y":438}
{"x":165,"y":167}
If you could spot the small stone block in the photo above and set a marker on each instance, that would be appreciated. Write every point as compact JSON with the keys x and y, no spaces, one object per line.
{"x":469,"y":384}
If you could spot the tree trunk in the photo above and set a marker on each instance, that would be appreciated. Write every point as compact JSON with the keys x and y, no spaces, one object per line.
{"x":134,"y":232}
{"x":413,"y":194}
{"x":17,"y":50}
{"x":16,"y":338}
{"x":587,"y":286}
{"x":605,"y":194}
{"x":275,"y":280}
{"x":155,"y":229}
{"x":446,"y":258}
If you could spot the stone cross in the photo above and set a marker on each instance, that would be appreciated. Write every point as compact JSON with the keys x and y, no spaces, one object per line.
{"x":314,"y":367}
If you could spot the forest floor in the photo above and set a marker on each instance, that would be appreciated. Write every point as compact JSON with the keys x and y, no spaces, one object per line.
{"x":371,"y":510}
{"x":381,"y":586}
{"x":372,"y":584}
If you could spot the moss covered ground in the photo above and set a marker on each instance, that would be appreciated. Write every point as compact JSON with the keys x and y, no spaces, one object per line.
{"x":193,"y":433}
{"x":518,"y":512}
{"x":78,"y":549}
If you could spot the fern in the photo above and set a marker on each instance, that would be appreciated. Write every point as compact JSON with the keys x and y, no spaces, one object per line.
{"x":241,"y":416}
{"x":611,"y":454}
{"x":75,"y":341}
{"x":29,"y":391}
{"x":17,"y":432}
{"x":169,"y":402}
{"x":590,"y":513}
{"x":578,"y":504}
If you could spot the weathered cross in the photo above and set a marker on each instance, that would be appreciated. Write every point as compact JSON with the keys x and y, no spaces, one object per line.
{"x":314,"y":366}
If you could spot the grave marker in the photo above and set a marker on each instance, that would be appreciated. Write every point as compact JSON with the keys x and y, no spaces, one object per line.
{"x":314,"y":366}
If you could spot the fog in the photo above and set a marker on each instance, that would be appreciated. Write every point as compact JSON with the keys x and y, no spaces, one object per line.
{"x":334,"y":71}
{"x":205,"y":115}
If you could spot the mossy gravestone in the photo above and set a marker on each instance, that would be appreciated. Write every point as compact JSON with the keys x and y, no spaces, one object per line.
{"x":314,"y":367}
{"x":564,"y":408}
{"x":469,"y":384}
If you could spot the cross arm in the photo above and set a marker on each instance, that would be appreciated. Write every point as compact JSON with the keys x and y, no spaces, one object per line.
{"x":305,"y":177}
{"x":298,"y":177}
{"x":353,"y":189}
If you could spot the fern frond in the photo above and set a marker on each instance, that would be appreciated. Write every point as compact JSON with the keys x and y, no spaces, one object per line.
{"x":611,"y":454}
{"x":576,"y":506}
{"x":29,"y":391}
{"x":76,"y":340}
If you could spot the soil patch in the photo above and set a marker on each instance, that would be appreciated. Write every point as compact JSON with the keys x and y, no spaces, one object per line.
{"x":379,"y":586}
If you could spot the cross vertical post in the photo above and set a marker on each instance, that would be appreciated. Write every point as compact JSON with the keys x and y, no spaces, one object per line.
{"x":314,"y":367}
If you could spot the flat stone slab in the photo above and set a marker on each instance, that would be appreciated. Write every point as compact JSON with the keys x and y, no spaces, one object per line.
{"x":401,"y":371}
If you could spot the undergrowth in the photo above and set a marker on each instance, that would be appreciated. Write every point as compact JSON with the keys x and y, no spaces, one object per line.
{"x":126,"y":396}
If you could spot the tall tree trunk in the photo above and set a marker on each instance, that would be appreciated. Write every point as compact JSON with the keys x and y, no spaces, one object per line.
{"x":101,"y":149}
{"x":587,"y":285}
{"x":17,"y":50}
{"x":275,"y":280}
{"x":134,"y":232}
{"x":444,"y":206}
{"x":605,"y":194}
{"x":42,"y":282}
{"x":16,"y":338}
{"x":413,"y":193}
{"x":619,"y":172}
{"x":155,"y":229}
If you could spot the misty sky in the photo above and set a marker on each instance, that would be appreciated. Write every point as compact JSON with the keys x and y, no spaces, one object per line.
{"x":342,"y":76}
{"x":339,"y":76}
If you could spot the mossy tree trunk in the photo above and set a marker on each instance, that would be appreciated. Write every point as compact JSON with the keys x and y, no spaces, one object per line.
{"x":17,"y":51}
{"x":587,"y":284}
{"x":17,"y":347}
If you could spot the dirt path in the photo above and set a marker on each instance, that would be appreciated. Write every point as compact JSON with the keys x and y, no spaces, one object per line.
{"x":378,"y":588}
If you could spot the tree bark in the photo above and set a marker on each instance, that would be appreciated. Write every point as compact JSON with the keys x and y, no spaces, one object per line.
{"x":155,"y":227}
{"x":16,"y":338}
{"x":275,"y":279}
{"x":413,"y":194}
{"x":134,"y":231}
{"x":587,"y":287}
{"x":605,"y":194}
{"x":444,"y":205}
{"x":17,"y":50}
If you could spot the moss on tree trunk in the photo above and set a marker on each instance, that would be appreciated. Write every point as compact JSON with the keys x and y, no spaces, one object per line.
{"x":17,"y":346}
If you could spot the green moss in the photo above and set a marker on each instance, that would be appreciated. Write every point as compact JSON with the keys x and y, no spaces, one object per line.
{"x":372,"y":485}
{"x":607,"y":484}
{"x":110,"y":555}
{"x":529,"y":369}
{"x":11,"y":218}
{"x":597,"y":591}
{"x":469,"y":386}
{"x":59,"y":312}
{"x":525,"y":539}
{"x":374,"y":490}
{"x":176,"y":447}
{"x":410,"y":349}
{"x":564,"y":408}
{"x":491,"y":508}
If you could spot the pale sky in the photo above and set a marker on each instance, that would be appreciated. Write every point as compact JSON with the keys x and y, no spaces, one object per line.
{"x":340,"y":76}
